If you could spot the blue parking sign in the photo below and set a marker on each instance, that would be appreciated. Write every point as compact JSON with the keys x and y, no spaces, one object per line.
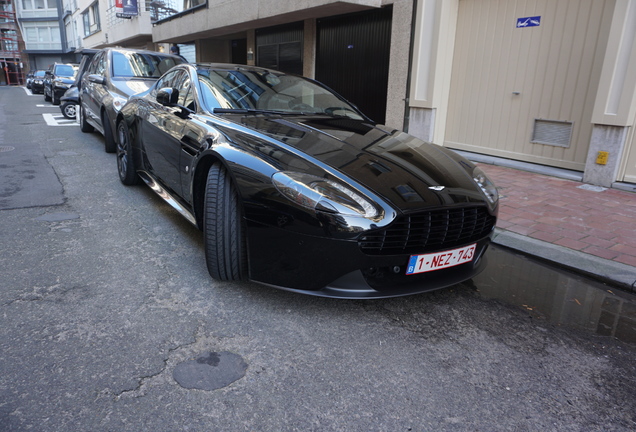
{"x":534,"y":21}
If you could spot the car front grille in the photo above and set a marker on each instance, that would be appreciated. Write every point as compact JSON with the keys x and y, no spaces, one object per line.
{"x":429,"y":231}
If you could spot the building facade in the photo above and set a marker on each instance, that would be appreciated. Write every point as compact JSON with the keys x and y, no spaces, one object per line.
{"x":537,"y":81}
{"x":11,"y":46}
{"x":550,"y":83}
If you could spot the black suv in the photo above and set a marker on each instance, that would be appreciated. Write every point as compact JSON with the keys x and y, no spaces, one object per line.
{"x":58,"y":79}
{"x":114,"y":75}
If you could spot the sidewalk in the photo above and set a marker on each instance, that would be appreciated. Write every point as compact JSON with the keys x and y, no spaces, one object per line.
{"x":580,"y":226}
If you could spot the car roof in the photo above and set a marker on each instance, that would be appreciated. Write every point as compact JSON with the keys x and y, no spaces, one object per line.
{"x":234,"y":66}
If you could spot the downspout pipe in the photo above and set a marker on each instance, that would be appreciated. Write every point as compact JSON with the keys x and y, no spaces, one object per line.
{"x":407,"y":98}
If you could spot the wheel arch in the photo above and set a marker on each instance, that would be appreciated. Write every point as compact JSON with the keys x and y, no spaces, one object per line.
{"x":199,"y":181}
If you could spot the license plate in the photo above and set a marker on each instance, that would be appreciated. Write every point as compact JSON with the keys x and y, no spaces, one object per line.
{"x":440,"y":260}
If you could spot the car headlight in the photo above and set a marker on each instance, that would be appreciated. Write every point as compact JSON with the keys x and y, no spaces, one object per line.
{"x":486,"y":186}
{"x":118,"y":102}
{"x":60,"y":84}
{"x":319,"y":193}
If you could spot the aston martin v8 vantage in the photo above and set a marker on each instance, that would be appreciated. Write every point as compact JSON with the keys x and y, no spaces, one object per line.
{"x":295,"y":188}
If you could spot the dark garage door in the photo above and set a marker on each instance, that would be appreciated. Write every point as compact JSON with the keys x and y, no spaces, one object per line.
{"x":352,"y":57}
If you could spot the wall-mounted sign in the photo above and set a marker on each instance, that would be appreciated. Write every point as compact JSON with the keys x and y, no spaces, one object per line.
{"x":130,"y":7}
{"x":534,"y":21}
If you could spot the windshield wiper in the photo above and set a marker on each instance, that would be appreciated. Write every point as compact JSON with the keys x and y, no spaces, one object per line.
{"x":255,"y":111}
{"x":245,"y":111}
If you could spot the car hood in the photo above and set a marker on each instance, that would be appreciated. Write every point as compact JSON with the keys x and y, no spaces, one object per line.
{"x":404,"y":170}
{"x":129,"y":87}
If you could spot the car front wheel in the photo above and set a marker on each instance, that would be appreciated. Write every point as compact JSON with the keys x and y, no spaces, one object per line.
{"x":47,"y":98}
{"x":69,"y":109}
{"x":225,"y":246}
{"x":125,"y":161}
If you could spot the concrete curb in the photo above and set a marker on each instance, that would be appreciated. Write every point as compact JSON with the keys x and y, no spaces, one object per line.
{"x":621,"y":275}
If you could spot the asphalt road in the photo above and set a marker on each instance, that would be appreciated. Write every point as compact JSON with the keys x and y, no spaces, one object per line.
{"x":110,"y":322}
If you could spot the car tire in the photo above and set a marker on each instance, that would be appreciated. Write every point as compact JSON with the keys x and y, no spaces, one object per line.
{"x":69,"y":110}
{"x":110,"y":145}
{"x":84,"y":126}
{"x":224,"y":241}
{"x":125,"y":159}
{"x":56,"y":101}
{"x":47,"y":98}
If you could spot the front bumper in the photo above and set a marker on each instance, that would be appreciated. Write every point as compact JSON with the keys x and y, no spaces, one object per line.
{"x":338,"y":268}
{"x":58,"y":92}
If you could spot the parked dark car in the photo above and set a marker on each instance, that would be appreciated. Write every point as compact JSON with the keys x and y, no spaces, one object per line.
{"x":294,"y":187}
{"x":37,"y":82}
{"x":29,"y":79}
{"x":70,"y":100}
{"x":58,"y":79}
{"x":113,"y":75}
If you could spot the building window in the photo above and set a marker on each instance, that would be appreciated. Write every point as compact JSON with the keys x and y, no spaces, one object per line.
{"x":38,"y":4}
{"x":38,"y":8}
{"x":91,"y":19}
{"x":42,"y":35}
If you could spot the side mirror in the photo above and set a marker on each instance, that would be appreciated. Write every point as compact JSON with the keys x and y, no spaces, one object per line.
{"x":97,"y":79}
{"x":168,"y":96}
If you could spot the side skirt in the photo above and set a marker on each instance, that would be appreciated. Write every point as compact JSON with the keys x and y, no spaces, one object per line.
{"x":166,"y":196}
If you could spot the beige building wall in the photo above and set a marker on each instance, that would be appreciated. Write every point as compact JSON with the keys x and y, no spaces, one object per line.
{"x":554,"y":94}
{"x":527,"y":93}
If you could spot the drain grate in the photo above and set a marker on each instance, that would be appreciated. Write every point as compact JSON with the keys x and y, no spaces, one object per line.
{"x":6,"y":148}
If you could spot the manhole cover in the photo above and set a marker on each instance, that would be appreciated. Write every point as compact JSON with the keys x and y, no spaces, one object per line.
{"x":210,"y":371}
{"x":6,"y":148}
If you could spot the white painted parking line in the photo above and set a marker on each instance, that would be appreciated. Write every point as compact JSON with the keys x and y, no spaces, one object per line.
{"x":58,"y":120}
{"x":29,"y":93}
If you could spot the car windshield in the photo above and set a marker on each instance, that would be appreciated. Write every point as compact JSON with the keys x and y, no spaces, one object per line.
{"x":65,"y":70}
{"x":40,"y":73}
{"x":141,"y":65}
{"x":264,"y":90}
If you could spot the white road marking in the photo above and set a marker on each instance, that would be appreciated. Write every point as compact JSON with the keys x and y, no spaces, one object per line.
{"x":58,"y":120}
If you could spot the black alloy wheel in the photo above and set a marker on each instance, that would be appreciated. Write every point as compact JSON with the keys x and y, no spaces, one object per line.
{"x":125,"y":160}
{"x":110,"y":145}
{"x":69,"y":110}
{"x":84,"y":126}
{"x":224,"y":241}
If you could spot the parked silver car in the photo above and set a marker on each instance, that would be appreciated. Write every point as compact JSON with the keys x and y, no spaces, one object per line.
{"x":113,"y":75}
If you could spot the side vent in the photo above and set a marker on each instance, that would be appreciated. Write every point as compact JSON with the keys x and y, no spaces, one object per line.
{"x":551,"y":132}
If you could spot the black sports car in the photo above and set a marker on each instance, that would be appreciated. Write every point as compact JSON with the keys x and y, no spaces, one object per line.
{"x":294,"y":187}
